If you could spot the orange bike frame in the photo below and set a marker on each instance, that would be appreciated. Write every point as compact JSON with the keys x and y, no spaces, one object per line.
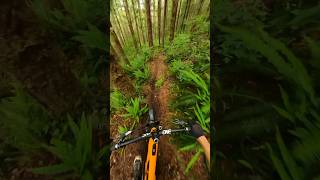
{"x":151,"y":161}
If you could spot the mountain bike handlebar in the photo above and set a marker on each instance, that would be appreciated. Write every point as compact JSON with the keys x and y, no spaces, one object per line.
{"x":148,"y":135}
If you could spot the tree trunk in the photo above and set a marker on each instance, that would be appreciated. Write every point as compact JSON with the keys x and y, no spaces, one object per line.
{"x":114,"y":53}
{"x":141,"y":23}
{"x":178,"y":14}
{"x":135,"y":19}
{"x":185,"y":15}
{"x":118,"y":45}
{"x":155,"y":24}
{"x":159,"y":20}
{"x":125,"y":30}
{"x":188,"y":10}
{"x":130,"y":24}
{"x":194,"y":26}
{"x":120,"y":28}
{"x":200,"y":7}
{"x":149,"y":23}
{"x":164,"y":21}
{"x":113,"y":24}
{"x":208,"y":10}
{"x":173,"y":18}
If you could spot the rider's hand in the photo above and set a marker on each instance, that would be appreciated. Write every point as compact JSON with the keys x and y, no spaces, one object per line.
{"x":196,"y":130}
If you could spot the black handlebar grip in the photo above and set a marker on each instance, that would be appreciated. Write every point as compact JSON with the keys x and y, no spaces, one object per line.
{"x":122,"y":144}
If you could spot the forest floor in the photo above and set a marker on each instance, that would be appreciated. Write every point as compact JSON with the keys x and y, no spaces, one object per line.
{"x":171,"y":163}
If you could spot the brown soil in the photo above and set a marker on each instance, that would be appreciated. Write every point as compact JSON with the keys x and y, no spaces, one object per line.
{"x":120,"y":79}
{"x":168,"y":166}
{"x":121,"y":161}
{"x":171,"y":164}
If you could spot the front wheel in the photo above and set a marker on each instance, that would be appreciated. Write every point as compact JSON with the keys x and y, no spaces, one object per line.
{"x":151,"y":116}
{"x":137,"y":168}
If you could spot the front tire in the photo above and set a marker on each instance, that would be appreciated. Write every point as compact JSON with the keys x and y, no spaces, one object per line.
{"x":137,"y":168}
{"x":151,"y":116}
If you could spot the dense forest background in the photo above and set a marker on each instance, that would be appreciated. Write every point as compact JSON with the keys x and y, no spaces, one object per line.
{"x":265,"y":83}
{"x":266,"y":70}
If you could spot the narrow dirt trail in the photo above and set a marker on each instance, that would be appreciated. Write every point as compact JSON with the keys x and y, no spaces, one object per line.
{"x":171,"y":163}
{"x":158,"y":98}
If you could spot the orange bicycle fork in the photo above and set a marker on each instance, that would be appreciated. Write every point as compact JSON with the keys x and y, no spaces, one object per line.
{"x":151,"y":161}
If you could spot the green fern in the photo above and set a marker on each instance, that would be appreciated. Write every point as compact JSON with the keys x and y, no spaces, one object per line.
{"x":23,"y":121}
{"x":87,"y":81}
{"x":305,"y":16}
{"x":193,"y":160}
{"x":92,"y":38}
{"x":305,"y":149}
{"x":187,"y":99}
{"x":138,"y":69}
{"x":77,"y":157}
{"x":122,"y":129}
{"x":190,"y":76}
{"x":142,"y":75}
{"x":286,"y":166}
{"x":177,"y":65}
{"x":271,"y":48}
{"x":179,"y":49}
{"x":160,"y":82}
{"x":188,"y":147}
{"x":315,"y":52}
{"x":203,"y":118}
{"x":72,"y":16}
{"x":117,"y":100}
{"x":135,"y":111}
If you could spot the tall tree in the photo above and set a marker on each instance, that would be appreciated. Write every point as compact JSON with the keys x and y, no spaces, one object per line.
{"x":141,"y":23}
{"x":173,"y":18}
{"x":164,"y":21}
{"x":118,"y":31}
{"x":135,"y":19}
{"x":119,"y":27}
{"x":194,"y":25}
{"x":159,"y":20}
{"x":118,"y":45}
{"x":185,"y":15}
{"x":154,"y":18}
{"x":130,"y":24}
{"x":113,"y":52}
{"x":178,"y":14}
{"x":120,"y":19}
{"x":200,"y":6}
{"x":188,"y":10}
{"x":149,"y":23}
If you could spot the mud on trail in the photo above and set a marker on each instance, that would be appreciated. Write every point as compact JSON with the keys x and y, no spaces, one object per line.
{"x":171,"y":163}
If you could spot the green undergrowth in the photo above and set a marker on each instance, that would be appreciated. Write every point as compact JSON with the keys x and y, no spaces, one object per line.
{"x":137,"y":68}
{"x":160,"y":82}
{"x":188,"y":57}
{"x":133,"y":108}
{"x":77,"y":155}
{"x":277,"y":123}
{"x":28,"y":130}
